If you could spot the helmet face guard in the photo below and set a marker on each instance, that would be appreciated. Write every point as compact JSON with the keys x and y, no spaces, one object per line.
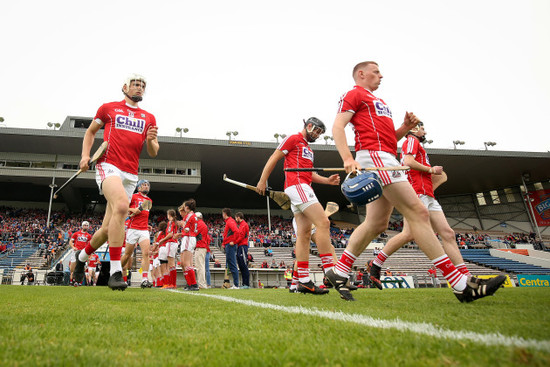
{"x":318,"y":127}
{"x":361,"y":188}
{"x":141,"y":182}
{"x":131,"y":78}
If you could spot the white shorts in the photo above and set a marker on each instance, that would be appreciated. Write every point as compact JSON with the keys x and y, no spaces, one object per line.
{"x":163,"y":253}
{"x":188,"y":244}
{"x":430,"y":203}
{"x":156,"y":262}
{"x":172,"y":248}
{"x":301,"y":197}
{"x":104,"y":170}
{"x":372,"y":158}
{"x":134,"y":236}
{"x":73,"y":256}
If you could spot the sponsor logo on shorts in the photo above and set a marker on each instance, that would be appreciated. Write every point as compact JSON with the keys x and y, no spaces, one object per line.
{"x":129,"y":123}
{"x":382,"y":109}
{"x":396,"y":174}
{"x":307,"y":153}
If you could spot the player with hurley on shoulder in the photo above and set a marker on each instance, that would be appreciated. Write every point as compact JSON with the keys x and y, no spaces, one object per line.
{"x":307,"y":210}
{"x":138,"y":230}
{"x":127,"y":129}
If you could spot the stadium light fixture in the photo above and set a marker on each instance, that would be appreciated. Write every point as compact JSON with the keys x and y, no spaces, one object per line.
{"x":277,"y":136}
{"x":489,"y":144}
{"x":54,"y":126}
{"x":327,"y":138}
{"x":458,"y":142}
{"x":181,"y":130}
{"x":1,"y":119}
{"x":428,"y":142}
{"x":229,"y":133}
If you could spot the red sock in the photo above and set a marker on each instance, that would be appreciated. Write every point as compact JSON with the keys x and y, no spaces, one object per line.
{"x":294,"y":278}
{"x":303,"y":271}
{"x":463,"y":269}
{"x":380,"y":258}
{"x":114,"y":253}
{"x":456,"y":279}
{"x":174,"y":276}
{"x":345,"y":263}
{"x":125,"y":278}
{"x":191,"y":279}
{"x":327,"y":261}
{"x":89,"y":249}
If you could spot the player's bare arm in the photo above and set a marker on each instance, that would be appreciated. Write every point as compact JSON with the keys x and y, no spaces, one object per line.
{"x":439,"y":180}
{"x":409,"y":160}
{"x":268,"y":168}
{"x":87,"y":143}
{"x":409,"y":122}
{"x":152,"y":142}
{"x":331,"y":180}
{"x":339,"y":135}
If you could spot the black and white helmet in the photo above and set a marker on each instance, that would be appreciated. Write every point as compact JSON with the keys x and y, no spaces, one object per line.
{"x":318,"y":127}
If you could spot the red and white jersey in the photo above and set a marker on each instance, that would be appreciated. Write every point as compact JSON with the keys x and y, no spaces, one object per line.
{"x":81,"y":239}
{"x":141,"y":220}
{"x":92,"y":260}
{"x":420,"y":181}
{"x":372,"y":121}
{"x":160,"y":236}
{"x":189,"y":228}
{"x":126,"y":131}
{"x":298,"y":154}
{"x":172,"y":228}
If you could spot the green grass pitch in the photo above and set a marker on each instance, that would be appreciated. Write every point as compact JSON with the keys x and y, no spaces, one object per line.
{"x":94,"y":326}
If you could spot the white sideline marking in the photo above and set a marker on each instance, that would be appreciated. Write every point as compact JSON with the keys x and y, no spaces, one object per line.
{"x":491,"y":339}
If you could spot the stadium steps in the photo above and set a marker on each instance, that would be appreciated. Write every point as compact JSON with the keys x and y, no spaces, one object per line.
{"x":18,"y":258}
{"x":484,"y":258}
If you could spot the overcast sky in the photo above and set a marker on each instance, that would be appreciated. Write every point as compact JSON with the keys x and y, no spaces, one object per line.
{"x":471,"y":70}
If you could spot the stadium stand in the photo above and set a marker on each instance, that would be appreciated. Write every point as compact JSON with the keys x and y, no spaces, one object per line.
{"x":484,"y":257}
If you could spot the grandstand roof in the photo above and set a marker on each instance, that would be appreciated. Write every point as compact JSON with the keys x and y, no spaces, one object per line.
{"x":469,"y":171}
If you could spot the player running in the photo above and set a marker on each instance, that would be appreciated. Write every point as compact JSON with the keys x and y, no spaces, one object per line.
{"x":376,"y":146}
{"x":138,"y":231}
{"x":78,"y":241}
{"x":188,"y":242}
{"x":127,"y":128}
{"x":93,"y":259}
{"x":307,"y":210}
{"x":424,"y":179}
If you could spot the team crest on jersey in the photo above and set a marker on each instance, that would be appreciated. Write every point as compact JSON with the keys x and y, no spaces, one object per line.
{"x":307,"y":153}
{"x":382,"y":109}
{"x":130,"y":113}
{"x":129,"y":123}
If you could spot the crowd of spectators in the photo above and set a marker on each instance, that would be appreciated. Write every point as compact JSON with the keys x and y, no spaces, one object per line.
{"x":30,"y":225}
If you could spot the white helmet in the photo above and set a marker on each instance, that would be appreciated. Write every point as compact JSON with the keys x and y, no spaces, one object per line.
{"x":131,"y":77}
{"x":198,"y":215}
{"x":85,"y":223}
